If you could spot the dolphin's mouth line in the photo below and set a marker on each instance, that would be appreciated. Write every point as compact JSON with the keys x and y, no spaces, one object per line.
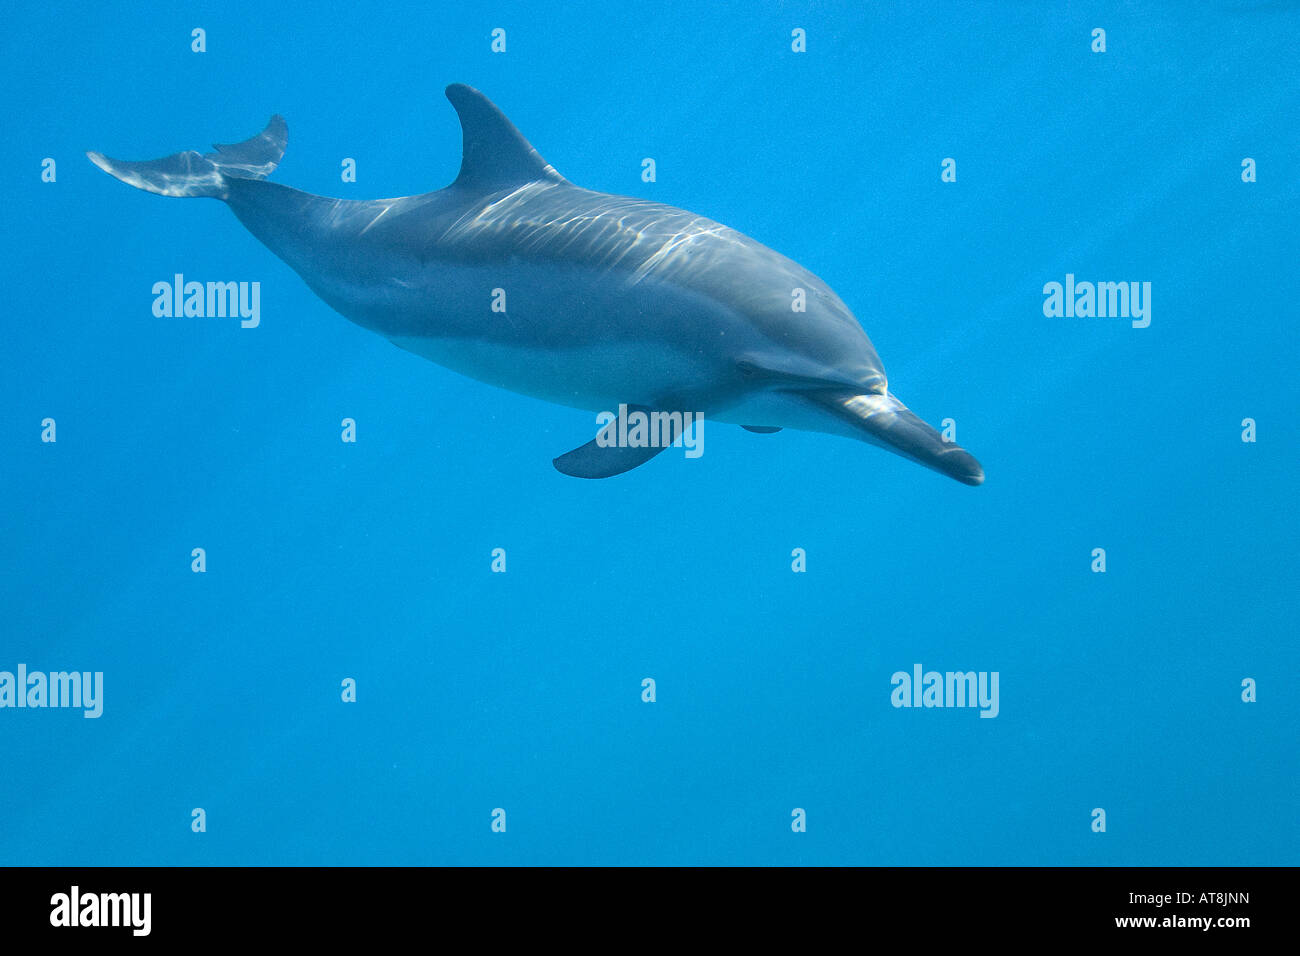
{"x":881,"y":419}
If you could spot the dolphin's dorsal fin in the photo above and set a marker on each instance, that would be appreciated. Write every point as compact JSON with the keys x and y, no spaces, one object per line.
{"x":496,"y":155}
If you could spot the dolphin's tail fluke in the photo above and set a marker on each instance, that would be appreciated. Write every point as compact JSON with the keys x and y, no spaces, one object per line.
{"x":203,"y":174}
{"x":885,"y":421}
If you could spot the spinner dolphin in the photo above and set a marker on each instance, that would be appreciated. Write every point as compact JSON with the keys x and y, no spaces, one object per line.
{"x":611,"y":301}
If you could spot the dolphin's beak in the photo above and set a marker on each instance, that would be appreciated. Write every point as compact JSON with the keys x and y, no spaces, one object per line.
{"x":885,"y":421}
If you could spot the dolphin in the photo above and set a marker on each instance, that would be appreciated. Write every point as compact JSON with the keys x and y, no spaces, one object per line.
{"x":516,"y":277}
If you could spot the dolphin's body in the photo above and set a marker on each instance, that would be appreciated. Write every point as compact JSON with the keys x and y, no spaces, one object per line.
{"x":609,"y":300}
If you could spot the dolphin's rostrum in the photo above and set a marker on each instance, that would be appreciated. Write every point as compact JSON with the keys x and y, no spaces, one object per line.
{"x":610,"y":301}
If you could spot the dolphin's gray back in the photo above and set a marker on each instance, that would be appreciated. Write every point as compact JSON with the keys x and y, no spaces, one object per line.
{"x":604,"y":250}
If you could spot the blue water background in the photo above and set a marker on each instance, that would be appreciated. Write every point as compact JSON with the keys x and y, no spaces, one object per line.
{"x":522,"y":691}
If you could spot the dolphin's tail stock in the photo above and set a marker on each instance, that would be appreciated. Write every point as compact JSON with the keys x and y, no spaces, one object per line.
{"x":203,"y":174}
{"x":885,"y":421}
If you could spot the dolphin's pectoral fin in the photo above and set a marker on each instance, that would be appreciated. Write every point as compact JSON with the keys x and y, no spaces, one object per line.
{"x":761,"y":429}
{"x":594,"y":461}
{"x":604,"y":456}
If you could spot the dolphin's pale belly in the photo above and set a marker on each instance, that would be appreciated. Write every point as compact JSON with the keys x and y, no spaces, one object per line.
{"x":580,"y":337}
{"x":594,"y":377}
